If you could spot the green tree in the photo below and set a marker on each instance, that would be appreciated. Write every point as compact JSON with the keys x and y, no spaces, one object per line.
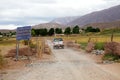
{"x":33,"y":32}
{"x":4,"y":34}
{"x":97,"y":30}
{"x":76,"y":30}
{"x":51,"y":32}
{"x":88,"y":29}
{"x":13,"y":33}
{"x":37,"y":32}
{"x":91,"y":29}
{"x":58,"y":31}
{"x":0,"y":33}
{"x":67,"y":31}
{"x":43,"y":32}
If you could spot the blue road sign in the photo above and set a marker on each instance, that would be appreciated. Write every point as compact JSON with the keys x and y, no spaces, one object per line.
{"x":23,"y":33}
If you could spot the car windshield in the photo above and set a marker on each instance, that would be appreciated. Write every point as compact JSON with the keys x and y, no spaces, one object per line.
{"x":58,"y":39}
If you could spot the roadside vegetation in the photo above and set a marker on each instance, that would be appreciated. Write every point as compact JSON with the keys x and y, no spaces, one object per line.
{"x":2,"y":61}
{"x":111,"y":57}
{"x":79,"y":35}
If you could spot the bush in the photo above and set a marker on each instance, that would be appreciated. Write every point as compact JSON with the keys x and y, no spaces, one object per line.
{"x":112,"y":47}
{"x":7,"y":42}
{"x":83,"y":45}
{"x":25,"y":42}
{"x":111,"y":57}
{"x":99,"y":46}
{"x":32,"y":45}
{"x":91,"y":29}
{"x":1,"y":39}
{"x":116,"y":31}
{"x":2,"y":61}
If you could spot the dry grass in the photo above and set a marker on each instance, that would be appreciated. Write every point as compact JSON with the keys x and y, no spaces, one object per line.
{"x":81,"y":39}
{"x":7,"y":47}
{"x":41,"y":47}
{"x":2,"y":61}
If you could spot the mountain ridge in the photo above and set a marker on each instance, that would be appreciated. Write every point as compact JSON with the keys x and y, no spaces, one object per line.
{"x":48,"y":25}
{"x":106,"y":15}
{"x":113,"y":24}
{"x":64,"y":20}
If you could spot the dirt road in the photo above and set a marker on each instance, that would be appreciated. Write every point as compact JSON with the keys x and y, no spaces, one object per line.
{"x":67,"y":64}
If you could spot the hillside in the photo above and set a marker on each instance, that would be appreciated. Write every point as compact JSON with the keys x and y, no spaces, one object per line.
{"x":64,"y":20}
{"x":6,"y":30}
{"x":107,"y":15}
{"x":48,"y":26}
{"x":105,"y":25}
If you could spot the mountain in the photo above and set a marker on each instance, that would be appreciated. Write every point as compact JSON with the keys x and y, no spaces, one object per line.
{"x":105,"y":25}
{"x":64,"y":20}
{"x":106,"y":15}
{"x":6,"y":30}
{"x":48,"y":25}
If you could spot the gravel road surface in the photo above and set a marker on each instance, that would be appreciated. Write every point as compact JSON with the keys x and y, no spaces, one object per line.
{"x":67,"y":64}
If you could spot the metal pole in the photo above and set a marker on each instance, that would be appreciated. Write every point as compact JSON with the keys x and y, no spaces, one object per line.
{"x":28,"y":48}
{"x":17,"y":48}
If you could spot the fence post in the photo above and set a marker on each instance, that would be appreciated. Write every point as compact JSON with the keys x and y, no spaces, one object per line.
{"x":89,"y":39}
{"x":112,"y":37}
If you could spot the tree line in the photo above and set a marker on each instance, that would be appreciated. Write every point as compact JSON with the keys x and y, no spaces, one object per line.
{"x":52,"y":31}
{"x":67,"y":31}
{"x":8,"y":34}
{"x":49,"y":32}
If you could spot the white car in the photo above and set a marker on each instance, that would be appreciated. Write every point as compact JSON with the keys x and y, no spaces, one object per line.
{"x":58,"y":43}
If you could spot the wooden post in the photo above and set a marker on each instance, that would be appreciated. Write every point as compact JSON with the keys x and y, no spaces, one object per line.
{"x":112,"y":37}
{"x":37,"y":46}
{"x":42,"y":47}
{"x":89,"y":39}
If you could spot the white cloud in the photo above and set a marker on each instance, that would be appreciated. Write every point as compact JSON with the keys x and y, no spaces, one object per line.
{"x":10,"y":26}
{"x":28,"y":12}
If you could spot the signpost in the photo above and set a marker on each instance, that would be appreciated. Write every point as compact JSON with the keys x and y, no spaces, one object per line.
{"x":22,"y":33}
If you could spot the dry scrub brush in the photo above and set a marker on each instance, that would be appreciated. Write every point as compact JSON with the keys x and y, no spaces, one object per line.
{"x":2,"y":61}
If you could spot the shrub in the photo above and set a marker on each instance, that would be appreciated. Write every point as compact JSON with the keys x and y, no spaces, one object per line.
{"x":99,"y":46}
{"x":1,"y":39}
{"x":25,"y":42}
{"x":32,"y":45}
{"x":90,"y":47}
{"x":7,"y":42}
{"x":83,"y":45}
{"x":112,"y":47}
{"x":111,"y":57}
{"x":22,"y":52}
{"x":112,"y":51}
{"x":2,"y":61}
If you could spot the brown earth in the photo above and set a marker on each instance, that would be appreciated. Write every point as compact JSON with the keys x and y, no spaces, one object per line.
{"x":66,"y":64}
{"x":112,"y":47}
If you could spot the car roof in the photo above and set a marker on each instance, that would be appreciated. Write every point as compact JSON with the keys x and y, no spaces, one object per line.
{"x":58,"y":39}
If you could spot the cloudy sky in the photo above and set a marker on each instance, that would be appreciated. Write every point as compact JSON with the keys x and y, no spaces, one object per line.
{"x":17,"y":13}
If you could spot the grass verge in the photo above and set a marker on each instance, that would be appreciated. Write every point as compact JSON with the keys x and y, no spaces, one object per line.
{"x":111,"y":57}
{"x":83,"y":45}
{"x":99,"y":46}
{"x":2,"y":61}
